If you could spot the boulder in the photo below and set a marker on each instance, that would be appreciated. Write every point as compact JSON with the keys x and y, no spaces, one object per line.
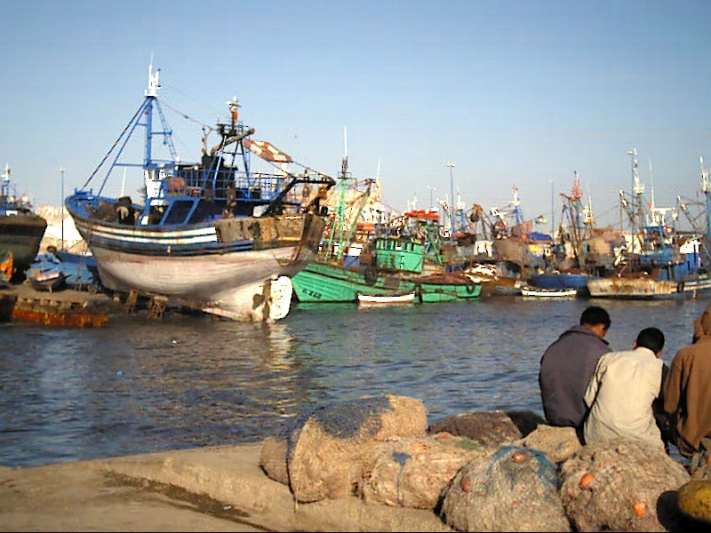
{"x":327,"y":447}
{"x":272,"y":459}
{"x":694,"y":500}
{"x":622,"y":485}
{"x":557,"y":443}
{"x":413,"y":472}
{"x":489,"y":428}
{"x":515,"y":489}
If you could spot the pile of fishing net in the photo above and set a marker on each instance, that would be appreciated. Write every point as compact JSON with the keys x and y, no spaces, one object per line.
{"x":558,"y":443}
{"x":323,"y":453}
{"x":622,"y":486}
{"x":489,"y":428}
{"x":413,"y":472}
{"x":514,"y":489}
{"x":492,"y":471}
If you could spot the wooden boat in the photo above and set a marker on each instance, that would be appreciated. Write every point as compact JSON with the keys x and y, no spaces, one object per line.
{"x":325,"y":282}
{"x":213,"y":236}
{"x":48,"y":281}
{"x":633,"y":288}
{"x":21,"y":230}
{"x":364,"y":299}
{"x":447,"y":287}
{"x":561,"y":281}
{"x":538,"y":292}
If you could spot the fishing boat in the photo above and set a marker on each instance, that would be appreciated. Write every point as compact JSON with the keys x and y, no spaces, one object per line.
{"x":79,"y":270}
{"x":447,"y":287}
{"x":560,"y":281}
{"x":365,"y":299}
{"x":50,"y":281}
{"x":537,"y":292}
{"x":214,"y":235}
{"x":657,"y":261}
{"x":397,"y":267}
{"x":21,"y":230}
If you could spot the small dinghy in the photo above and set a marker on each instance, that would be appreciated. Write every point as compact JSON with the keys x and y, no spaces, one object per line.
{"x":48,"y":281}
{"x":537,"y":292}
{"x":364,"y":299}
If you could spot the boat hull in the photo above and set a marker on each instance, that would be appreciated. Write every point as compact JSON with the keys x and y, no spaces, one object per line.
{"x":537,"y":292}
{"x":386,"y":300}
{"x":21,"y":235}
{"x":222,"y":284}
{"x":561,"y":281}
{"x":448,"y":292}
{"x":319,"y":282}
{"x":633,"y":288}
{"x":224,"y":268}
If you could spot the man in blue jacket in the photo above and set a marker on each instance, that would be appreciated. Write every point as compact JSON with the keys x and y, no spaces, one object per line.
{"x":567,"y":366}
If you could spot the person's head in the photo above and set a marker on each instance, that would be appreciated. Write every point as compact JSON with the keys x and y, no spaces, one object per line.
{"x":651,"y":338}
{"x":596,"y":319}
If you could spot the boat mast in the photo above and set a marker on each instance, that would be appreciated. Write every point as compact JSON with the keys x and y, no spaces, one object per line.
{"x":451,"y":165}
{"x":637,"y":192}
{"x":706,"y":189}
{"x":145,"y":113}
{"x":5,"y":187}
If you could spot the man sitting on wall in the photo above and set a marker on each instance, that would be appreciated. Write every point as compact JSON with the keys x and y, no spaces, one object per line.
{"x":622,"y":390}
{"x":687,"y":393}
{"x":567,"y":366}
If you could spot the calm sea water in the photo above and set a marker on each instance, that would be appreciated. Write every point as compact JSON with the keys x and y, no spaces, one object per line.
{"x":142,"y":386}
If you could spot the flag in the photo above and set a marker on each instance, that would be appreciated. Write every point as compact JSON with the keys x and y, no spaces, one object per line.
{"x":267,"y":151}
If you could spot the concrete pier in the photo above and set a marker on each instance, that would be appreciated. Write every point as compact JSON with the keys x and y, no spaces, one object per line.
{"x":67,"y":308}
{"x":206,"y":489}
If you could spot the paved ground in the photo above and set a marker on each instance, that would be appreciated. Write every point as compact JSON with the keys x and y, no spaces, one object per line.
{"x":205,"y":489}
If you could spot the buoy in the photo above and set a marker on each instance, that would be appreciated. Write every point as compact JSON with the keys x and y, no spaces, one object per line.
{"x":520,"y":457}
{"x":640,"y":509}
{"x":586,"y":480}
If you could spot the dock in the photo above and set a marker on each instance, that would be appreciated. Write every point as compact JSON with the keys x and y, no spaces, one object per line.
{"x":66,"y":308}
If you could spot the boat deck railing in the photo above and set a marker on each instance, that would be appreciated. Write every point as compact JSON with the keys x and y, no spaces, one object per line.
{"x":255,"y":186}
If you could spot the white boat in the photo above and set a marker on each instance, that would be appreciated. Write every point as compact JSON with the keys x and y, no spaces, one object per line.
{"x":537,"y":292}
{"x":214,"y":236}
{"x":364,"y":299}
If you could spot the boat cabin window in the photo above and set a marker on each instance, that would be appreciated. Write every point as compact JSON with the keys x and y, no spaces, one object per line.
{"x":178,"y":212}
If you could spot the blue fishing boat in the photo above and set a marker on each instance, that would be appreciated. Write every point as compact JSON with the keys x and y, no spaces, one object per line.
{"x":560,"y":280}
{"x":213,"y":235}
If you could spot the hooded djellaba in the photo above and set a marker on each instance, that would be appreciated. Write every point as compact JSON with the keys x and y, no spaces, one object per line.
{"x":687,"y":389}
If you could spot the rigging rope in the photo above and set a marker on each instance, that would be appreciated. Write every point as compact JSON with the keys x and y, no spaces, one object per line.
{"x":130,"y":122}
{"x":185,"y":115}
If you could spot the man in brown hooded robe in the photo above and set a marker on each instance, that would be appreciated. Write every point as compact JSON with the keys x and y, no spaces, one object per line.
{"x":687,"y":392}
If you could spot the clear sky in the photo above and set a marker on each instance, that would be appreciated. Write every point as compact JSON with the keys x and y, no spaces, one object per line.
{"x":512,"y":92}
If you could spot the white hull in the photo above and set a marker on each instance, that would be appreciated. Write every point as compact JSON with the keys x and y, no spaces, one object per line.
{"x":632,"y":288}
{"x":364,"y":299}
{"x":234,"y":285}
{"x":548,"y":293}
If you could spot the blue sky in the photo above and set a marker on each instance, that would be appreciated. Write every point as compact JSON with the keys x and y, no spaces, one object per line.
{"x":512,"y":92}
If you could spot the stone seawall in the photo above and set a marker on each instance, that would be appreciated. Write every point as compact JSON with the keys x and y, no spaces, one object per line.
{"x":206,"y":489}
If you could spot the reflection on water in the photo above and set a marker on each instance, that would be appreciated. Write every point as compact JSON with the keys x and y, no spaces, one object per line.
{"x":139,"y":386}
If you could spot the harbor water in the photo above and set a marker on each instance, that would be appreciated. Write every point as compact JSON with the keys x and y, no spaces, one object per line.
{"x":139,"y":386}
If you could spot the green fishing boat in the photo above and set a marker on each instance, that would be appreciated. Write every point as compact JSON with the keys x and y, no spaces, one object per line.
{"x":322,"y":282}
{"x":396,"y":269}
{"x":403,"y":255}
{"x":448,"y":292}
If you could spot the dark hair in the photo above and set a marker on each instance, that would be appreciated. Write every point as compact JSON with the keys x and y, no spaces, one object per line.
{"x":651,"y":338}
{"x":594,"y":315}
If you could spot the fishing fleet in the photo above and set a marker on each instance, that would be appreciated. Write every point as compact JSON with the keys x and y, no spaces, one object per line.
{"x":219,"y":236}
